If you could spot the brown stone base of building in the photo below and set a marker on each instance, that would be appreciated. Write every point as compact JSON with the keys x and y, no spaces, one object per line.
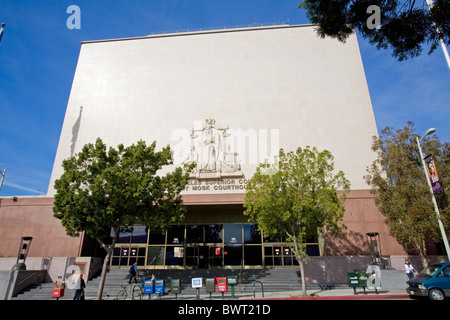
{"x":33,"y":217}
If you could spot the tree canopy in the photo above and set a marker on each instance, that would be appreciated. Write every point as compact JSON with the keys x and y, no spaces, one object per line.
{"x":404,"y":26}
{"x":103,"y":190}
{"x":296,"y":196}
{"x":401,"y":189}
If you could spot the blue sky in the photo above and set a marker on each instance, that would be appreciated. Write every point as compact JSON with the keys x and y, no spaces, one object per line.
{"x":38,"y":57}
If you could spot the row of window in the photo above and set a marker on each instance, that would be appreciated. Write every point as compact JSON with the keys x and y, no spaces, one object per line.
{"x":195,"y":233}
{"x":204,"y":246}
{"x":208,"y":256}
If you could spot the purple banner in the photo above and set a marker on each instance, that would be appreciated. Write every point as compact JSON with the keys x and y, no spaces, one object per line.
{"x":432,"y":174}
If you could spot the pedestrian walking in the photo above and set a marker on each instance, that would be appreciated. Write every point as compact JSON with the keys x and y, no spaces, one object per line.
{"x":133,"y":273}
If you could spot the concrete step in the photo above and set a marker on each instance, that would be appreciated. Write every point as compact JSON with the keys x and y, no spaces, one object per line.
{"x":272,"y":280}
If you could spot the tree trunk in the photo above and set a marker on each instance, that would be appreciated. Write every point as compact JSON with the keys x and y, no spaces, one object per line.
{"x":103,"y":275}
{"x":422,"y":253}
{"x":302,"y":273}
{"x":109,"y":251}
{"x":300,"y":260}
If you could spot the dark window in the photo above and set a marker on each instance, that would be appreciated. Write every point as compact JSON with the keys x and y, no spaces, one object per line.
{"x":252,"y":255}
{"x":174,"y":256}
{"x":213,"y":233}
{"x":251,"y":234}
{"x":123,"y":237}
{"x":175,"y":235}
{"x":233,"y":233}
{"x":312,"y":250}
{"x":157,"y":237}
{"x":139,"y":234}
{"x":155,"y":256}
{"x":233,"y":255}
{"x":194,"y":233}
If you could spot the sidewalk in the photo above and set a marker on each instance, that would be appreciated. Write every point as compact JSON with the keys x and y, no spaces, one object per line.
{"x":332,"y":294}
{"x":338,"y":294}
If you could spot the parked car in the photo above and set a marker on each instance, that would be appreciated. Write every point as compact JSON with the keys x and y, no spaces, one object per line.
{"x":433,"y":282}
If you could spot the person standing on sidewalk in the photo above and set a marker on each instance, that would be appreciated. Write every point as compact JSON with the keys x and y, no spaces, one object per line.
{"x":79,"y":287}
{"x":409,"y":269}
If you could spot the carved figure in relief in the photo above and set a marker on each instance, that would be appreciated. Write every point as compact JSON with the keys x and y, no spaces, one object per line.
{"x":211,"y":152}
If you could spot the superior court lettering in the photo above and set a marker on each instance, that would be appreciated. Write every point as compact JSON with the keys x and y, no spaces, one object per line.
{"x":216,"y":184}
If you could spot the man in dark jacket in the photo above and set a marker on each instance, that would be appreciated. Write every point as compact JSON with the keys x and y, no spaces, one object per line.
{"x":133,"y":273}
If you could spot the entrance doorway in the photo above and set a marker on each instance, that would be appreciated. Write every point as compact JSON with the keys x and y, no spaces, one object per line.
{"x":204,"y":256}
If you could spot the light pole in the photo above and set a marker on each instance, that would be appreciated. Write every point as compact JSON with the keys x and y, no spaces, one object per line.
{"x":1,"y":31}
{"x":436,"y":209}
{"x":430,"y":4}
{"x":3,"y":178}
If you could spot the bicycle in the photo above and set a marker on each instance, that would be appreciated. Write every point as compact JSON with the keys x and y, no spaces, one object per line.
{"x":135,"y":292}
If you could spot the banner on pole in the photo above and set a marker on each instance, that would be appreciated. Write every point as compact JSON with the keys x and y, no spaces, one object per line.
{"x":432,"y":174}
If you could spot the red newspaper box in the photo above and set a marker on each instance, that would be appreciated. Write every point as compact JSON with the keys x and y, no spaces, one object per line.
{"x":221,"y":284}
{"x":58,"y":290}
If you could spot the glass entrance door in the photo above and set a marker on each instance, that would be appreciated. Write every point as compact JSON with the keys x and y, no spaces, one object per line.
{"x":201,"y":256}
{"x":197,"y":256}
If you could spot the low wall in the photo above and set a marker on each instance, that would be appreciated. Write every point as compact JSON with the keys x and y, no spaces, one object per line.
{"x":333,"y":270}
{"x":57,"y":266}
{"x":13,"y":282}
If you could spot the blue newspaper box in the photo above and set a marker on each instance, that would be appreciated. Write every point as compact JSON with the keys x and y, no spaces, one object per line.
{"x":159,"y":286}
{"x":149,"y":286}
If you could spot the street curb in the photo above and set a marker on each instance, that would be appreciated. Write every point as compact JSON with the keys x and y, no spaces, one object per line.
{"x":364,"y":297}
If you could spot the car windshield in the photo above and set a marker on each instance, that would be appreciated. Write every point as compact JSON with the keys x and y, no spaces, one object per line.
{"x":430,"y":270}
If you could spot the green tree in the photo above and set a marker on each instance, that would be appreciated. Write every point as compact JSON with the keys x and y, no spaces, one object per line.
{"x":405,"y":26}
{"x":296,"y":197}
{"x":111,"y":190}
{"x":401,"y":189}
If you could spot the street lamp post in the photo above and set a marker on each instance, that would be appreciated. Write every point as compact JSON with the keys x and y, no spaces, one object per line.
{"x":436,"y":209}
{"x":430,"y":4}
{"x":1,"y":31}
{"x":3,"y":178}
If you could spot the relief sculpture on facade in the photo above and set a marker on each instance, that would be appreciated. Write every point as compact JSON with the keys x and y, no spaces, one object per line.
{"x":212,"y":154}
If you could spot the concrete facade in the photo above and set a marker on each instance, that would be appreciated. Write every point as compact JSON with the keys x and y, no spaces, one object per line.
{"x":269,"y":87}
{"x":228,"y":100}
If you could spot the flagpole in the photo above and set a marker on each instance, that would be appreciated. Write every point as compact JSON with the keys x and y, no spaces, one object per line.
{"x":430,"y":4}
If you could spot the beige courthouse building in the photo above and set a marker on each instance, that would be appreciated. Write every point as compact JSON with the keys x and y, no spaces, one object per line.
{"x":227,"y":100}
